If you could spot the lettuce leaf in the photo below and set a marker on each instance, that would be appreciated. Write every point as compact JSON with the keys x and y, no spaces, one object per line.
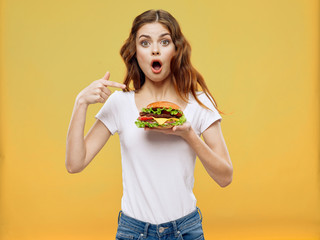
{"x":182,"y":120}
{"x":159,"y":110}
{"x":142,"y":124}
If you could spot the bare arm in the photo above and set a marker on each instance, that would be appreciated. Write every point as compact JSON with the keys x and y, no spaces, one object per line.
{"x":81,"y":150}
{"x":213,"y":154}
{"x":75,"y":149}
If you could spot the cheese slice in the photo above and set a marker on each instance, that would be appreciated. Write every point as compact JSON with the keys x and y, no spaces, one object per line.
{"x":163,"y":120}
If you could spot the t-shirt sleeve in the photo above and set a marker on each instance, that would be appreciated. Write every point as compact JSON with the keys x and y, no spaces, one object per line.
{"x":108,"y":113}
{"x":208,"y":116}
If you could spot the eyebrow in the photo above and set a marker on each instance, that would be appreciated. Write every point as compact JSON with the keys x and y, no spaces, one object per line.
{"x":147,"y":36}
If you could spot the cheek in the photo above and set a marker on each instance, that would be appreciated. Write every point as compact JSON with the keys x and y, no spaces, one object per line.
{"x":170,"y":54}
{"x":141,"y":57}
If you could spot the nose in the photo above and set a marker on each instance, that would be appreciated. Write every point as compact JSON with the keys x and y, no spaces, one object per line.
{"x":155,"y":51}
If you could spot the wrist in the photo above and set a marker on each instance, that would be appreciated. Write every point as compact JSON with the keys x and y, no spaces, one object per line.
{"x":81,"y":103}
{"x":189,"y":135}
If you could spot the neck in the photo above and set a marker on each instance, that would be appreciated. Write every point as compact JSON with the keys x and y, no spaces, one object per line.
{"x":158,"y":90}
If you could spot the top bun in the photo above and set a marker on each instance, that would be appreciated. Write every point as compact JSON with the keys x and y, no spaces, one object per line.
{"x":161,"y":104}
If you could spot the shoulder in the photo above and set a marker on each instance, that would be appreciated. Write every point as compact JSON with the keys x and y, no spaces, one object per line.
{"x":120,"y":95}
{"x":117,"y":98}
{"x":203,"y":98}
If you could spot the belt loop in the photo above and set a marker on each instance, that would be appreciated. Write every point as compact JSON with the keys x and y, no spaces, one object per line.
{"x":175,"y":229}
{"x":119,"y":216}
{"x":199,"y":211}
{"x":145,"y":234}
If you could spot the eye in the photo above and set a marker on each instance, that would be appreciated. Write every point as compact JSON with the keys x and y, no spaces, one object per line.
{"x":144,"y":43}
{"x":165,"y":42}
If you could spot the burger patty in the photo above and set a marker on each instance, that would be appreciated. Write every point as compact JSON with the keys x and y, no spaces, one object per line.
{"x":165,"y":115}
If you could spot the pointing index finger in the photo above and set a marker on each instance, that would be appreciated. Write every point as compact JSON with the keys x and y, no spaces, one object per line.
{"x":106,"y":76}
{"x":114,"y":84}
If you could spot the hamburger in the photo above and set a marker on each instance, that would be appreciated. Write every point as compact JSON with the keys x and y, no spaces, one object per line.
{"x":161,"y":114}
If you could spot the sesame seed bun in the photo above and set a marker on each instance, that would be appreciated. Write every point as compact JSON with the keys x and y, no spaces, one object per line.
{"x":161,"y":104}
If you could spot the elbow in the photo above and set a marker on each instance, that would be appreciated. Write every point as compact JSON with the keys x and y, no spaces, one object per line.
{"x":72,"y":169}
{"x":227,"y":179}
{"x":225,"y":183}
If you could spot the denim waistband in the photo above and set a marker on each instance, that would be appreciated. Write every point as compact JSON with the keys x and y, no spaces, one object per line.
{"x":160,"y":229}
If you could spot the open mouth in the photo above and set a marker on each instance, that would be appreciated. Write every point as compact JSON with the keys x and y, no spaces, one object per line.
{"x":156,"y":66}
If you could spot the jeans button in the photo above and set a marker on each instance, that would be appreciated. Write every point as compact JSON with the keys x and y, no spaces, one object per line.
{"x":161,"y":229}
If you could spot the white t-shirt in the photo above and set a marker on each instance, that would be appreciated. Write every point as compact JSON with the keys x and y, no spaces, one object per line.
{"x":157,"y":169}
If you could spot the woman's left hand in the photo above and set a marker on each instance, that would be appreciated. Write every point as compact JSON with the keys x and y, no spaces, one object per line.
{"x":183,"y":130}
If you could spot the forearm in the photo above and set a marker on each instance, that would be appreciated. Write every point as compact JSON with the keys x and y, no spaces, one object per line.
{"x":75,"y":148}
{"x":217,"y":167}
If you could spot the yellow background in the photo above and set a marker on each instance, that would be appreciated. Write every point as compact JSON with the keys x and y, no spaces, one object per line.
{"x":260,"y":60}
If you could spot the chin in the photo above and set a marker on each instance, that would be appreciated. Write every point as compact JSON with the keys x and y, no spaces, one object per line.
{"x":158,"y":77}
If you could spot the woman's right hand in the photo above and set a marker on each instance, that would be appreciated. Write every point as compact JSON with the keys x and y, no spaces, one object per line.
{"x":98,"y":91}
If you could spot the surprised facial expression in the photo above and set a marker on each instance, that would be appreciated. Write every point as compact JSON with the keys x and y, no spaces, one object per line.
{"x":154,"y":51}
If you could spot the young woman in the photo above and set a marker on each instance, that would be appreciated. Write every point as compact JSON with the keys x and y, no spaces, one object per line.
{"x":157,"y":164}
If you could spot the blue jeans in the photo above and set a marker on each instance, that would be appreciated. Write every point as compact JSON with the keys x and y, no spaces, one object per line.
{"x":188,"y":227}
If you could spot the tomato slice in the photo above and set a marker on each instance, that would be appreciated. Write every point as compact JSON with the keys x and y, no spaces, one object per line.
{"x":145,"y":118}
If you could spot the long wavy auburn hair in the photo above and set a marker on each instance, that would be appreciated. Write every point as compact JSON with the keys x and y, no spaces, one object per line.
{"x":184,"y":76}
